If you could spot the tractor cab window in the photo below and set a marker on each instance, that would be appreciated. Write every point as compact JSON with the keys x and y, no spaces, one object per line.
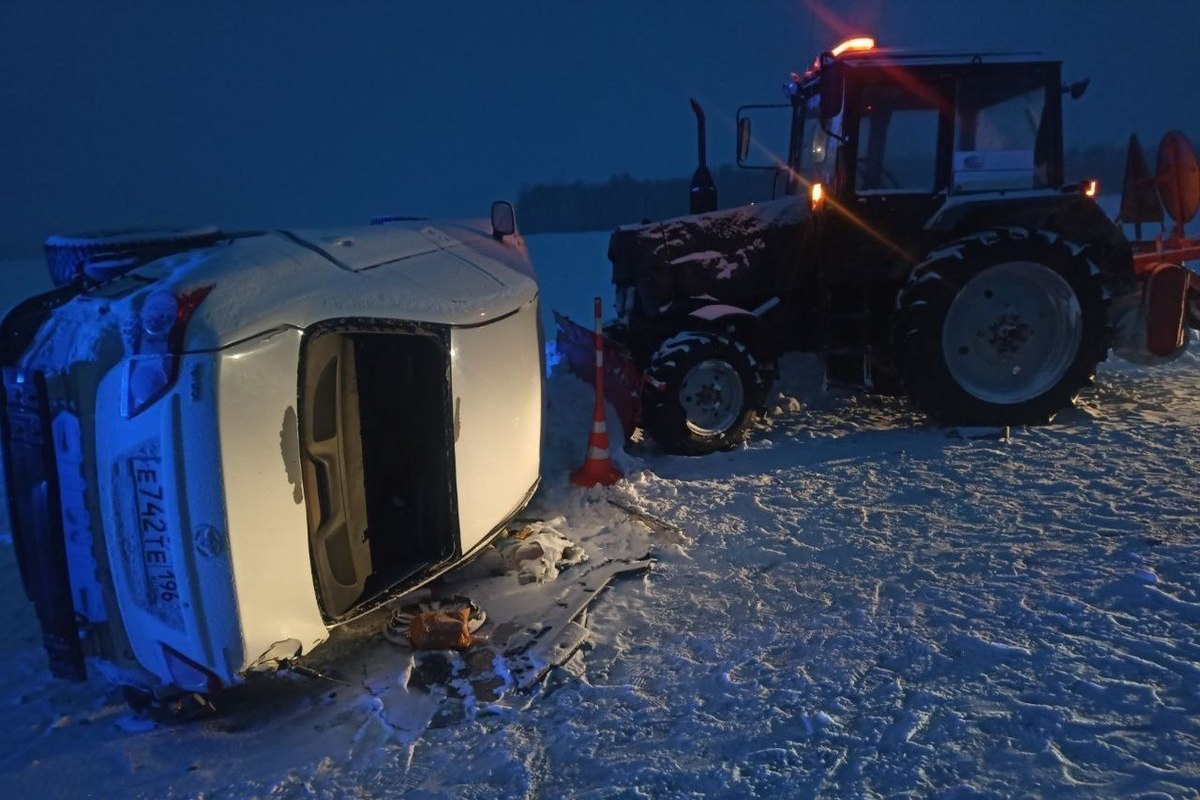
{"x":811,"y":151}
{"x":818,"y":151}
{"x":897,"y":140}
{"x":815,"y":158}
{"x":1000,"y":135}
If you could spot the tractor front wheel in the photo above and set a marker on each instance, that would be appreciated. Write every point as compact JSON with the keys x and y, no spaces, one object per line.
{"x":702,"y":392}
{"x":1001,"y":328}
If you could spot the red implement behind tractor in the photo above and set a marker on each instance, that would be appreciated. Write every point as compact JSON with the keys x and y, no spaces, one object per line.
{"x":1171,"y":291}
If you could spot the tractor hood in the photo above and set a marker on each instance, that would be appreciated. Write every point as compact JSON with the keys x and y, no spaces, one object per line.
{"x":737,"y":256}
{"x":451,"y":274}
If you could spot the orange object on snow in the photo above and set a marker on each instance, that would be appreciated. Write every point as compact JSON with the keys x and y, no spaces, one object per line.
{"x":441,"y":630}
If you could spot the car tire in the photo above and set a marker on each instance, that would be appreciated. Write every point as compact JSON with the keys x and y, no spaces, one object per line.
{"x":1001,"y":328}
{"x":67,"y":256}
{"x":702,"y":392}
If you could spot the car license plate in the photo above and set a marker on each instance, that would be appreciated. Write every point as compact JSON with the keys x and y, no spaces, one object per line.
{"x":162,"y":585}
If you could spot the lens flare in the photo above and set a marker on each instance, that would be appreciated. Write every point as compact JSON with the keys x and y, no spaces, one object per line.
{"x":857,"y":44}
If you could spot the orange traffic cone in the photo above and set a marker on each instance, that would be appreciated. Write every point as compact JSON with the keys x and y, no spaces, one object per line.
{"x":597,"y":467}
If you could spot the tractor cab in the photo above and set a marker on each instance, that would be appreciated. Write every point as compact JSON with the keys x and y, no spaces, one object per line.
{"x":891,"y":138}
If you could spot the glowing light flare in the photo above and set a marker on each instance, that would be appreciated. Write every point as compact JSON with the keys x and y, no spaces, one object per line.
{"x":830,"y":20}
{"x":856,"y":45}
{"x":816,"y":194}
{"x":858,"y":222}
{"x":1091,"y":188}
{"x":776,"y":160}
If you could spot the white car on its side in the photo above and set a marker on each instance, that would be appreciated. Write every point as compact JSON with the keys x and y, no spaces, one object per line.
{"x":219,"y":446}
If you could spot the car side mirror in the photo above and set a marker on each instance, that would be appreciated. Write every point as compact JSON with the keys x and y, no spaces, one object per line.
{"x":504,"y":219}
{"x":743,"y":140}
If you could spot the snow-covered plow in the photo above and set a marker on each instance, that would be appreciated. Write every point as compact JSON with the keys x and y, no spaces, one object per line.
{"x":622,"y":378}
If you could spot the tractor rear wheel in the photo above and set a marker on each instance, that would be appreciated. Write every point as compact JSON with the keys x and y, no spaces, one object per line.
{"x":702,"y":392}
{"x":1001,"y":328}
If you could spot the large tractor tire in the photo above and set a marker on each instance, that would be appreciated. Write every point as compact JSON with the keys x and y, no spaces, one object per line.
{"x":106,"y":254}
{"x":1001,"y":328}
{"x":702,"y":393}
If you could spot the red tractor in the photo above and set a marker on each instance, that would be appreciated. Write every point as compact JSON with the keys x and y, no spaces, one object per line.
{"x":925,"y":241}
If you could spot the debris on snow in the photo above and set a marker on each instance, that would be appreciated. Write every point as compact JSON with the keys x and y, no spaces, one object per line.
{"x":441,"y":630}
{"x":538,"y":551}
{"x":654,"y":524}
{"x":436,"y":624}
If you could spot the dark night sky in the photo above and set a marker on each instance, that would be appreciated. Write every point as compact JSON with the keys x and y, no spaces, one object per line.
{"x":267,"y":114}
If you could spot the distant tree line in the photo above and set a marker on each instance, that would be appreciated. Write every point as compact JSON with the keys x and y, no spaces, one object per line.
{"x":623,"y":199}
{"x":1106,"y":163}
{"x":1103,"y":162}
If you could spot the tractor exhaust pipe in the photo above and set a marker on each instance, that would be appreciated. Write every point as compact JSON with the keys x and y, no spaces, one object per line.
{"x":703,"y":194}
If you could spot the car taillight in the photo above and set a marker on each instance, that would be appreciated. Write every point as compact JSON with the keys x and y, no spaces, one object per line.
{"x":155,"y":341}
{"x":188,"y":675}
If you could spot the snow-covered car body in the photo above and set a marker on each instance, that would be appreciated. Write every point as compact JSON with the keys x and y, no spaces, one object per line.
{"x":377,"y":387}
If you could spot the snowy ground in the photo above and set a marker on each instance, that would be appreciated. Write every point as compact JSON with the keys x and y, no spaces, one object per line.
{"x":859,"y":606}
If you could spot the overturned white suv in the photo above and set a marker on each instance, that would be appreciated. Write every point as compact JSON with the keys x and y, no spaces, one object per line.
{"x":219,"y":446}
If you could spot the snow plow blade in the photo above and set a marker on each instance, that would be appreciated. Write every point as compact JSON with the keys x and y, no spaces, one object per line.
{"x":622,"y":381}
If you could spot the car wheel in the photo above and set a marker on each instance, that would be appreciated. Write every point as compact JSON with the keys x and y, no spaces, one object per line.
{"x":702,"y":392}
{"x":104,"y":255}
{"x":1001,"y":328}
